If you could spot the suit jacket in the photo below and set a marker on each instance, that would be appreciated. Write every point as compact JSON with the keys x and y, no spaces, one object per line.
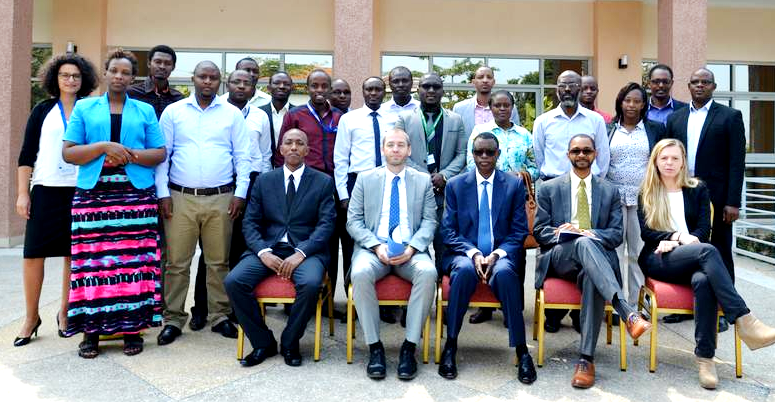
{"x":720,"y":159}
{"x":453,"y":142}
{"x":460,"y":225}
{"x":554,"y":209}
{"x":365,"y":209}
{"x":655,"y":132}
{"x":696,"y":213}
{"x":465,"y":109}
{"x":309,"y":221}
{"x":268,"y":109}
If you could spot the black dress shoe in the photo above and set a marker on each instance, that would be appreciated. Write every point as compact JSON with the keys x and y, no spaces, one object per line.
{"x":526,"y":371}
{"x":226,"y":328}
{"x":292,"y":356}
{"x":484,"y":314}
{"x":257,"y":356}
{"x":407,"y":364}
{"x":197,"y":321}
{"x":387,"y":315}
{"x":168,"y":335}
{"x":723,"y":324}
{"x":676,"y":318}
{"x":377,"y":368}
{"x":448,"y":366}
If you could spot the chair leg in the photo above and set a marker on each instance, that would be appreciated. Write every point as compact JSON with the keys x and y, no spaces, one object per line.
{"x":439,"y":318}
{"x":330,"y":300}
{"x":426,"y":340}
{"x":318,"y":319}
{"x":350,"y":324}
{"x":262,"y":308}
{"x":535,"y":318}
{"x":622,"y":346}
{"x":240,"y":342}
{"x":738,"y":356}
{"x":608,"y":327}
{"x":541,"y":319}
{"x":653,"y":336}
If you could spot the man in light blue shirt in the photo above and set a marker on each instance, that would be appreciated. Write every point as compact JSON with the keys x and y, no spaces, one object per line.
{"x":207,"y":144}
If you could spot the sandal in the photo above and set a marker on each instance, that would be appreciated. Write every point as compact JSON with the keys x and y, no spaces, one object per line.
{"x":89,"y":348}
{"x":133,"y":344}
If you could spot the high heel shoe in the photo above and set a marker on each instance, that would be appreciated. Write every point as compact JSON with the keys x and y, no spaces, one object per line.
{"x":59,"y":330}
{"x":21,"y":341}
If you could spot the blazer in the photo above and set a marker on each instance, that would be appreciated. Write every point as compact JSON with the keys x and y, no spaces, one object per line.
{"x":554,"y":209}
{"x":90,"y":123}
{"x":268,"y":109}
{"x":460,"y":225}
{"x":720,"y":159}
{"x":309,"y":221}
{"x":655,"y":132}
{"x":365,"y":208}
{"x":453,"y":142}
{"x":696,"y":213}
{"x":465,"y":109}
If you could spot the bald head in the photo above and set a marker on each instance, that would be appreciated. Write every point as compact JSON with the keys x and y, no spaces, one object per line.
{"x":206,"y":64}
{"x":569,"y":75}
{"x":207,"y":79}
{"x":294,"y":148}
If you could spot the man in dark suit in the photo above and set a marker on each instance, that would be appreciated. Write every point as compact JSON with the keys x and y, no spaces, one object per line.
{"x":289,"y":221}
{"x":280,"y":87}
{"x":482,"y":237}
{"x":661,"y":104}
{"x":578,"y":233}
{"x":714,"y":136}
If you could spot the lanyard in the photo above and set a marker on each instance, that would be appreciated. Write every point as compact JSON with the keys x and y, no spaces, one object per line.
{"x":430,"y":132}
{"x":326,"y":130}
{"x":62,"y":112}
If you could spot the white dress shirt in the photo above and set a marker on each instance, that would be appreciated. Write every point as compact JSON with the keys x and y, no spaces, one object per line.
{"x":204,"y":147}
{"x":296,"y":180}
{"x":693,"y":130}
{"x":479,"y":189}
{"x":384,"y":218}
{"x":553,"y":130}
{"x":354,"y":146}
{"x":277,"y":120}
{"x":574,"y":194}
{"x":257,"y":123}
{"x":390,"y":111}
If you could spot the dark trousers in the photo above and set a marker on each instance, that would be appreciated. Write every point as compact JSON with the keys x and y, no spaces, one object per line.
{"x":721,"y":237}
{"x":505,"y":282}
{"x":702,"y":266}
{"x":438,"y":241}
{"x":250,"y":271}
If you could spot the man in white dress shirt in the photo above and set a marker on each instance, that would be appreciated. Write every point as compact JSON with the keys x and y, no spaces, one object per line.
{"x":400,"y":81}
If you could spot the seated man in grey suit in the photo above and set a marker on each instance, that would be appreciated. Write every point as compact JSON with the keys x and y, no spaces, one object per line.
{"x":392,"y":218}
{"x":289,"y":221}
{"x":579,"y":226}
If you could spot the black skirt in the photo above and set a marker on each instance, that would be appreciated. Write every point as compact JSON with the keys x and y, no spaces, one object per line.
{"x":48,"y":229}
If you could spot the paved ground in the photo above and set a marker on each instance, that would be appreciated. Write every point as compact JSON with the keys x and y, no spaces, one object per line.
{"x":201,"y":366}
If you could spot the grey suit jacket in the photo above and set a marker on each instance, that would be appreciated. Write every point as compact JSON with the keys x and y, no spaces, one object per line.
{"x":453,"y":142}
{"x":465,"y":109}
{"x":365,"y":209}
{"x":554,"y":209}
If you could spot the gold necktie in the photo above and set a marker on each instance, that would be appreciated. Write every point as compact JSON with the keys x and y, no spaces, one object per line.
{"x":582,"y":206}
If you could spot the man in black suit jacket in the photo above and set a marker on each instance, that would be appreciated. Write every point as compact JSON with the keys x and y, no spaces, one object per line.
{"x":280,"y":87}
{"x":714,"y":136}
{"x":289,"y":221}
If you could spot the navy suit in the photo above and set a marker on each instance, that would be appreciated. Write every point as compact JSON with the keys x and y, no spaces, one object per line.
{"x":308,"y":223}
{"x":459,"y":230}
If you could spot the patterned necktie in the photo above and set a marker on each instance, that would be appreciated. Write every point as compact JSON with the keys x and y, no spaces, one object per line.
{"x":291,"y":192}
{"x":377,"y":140}
{"x":394,"y":219}
{"x":582,"y":206}
{"x":484,"y":240}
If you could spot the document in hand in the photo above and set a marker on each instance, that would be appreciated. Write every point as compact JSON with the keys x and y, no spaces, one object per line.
{"x":567,"y":235}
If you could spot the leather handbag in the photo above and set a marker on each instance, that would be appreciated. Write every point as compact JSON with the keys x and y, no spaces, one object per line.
{"x":530,"y":209}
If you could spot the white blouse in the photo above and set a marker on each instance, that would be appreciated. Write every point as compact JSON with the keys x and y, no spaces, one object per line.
{"x":50,"y":168}
{"x":677,"y":217}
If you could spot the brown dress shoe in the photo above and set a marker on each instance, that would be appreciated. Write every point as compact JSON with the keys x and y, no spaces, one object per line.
{"x":637,"y":326}
{"x":584,"y":376}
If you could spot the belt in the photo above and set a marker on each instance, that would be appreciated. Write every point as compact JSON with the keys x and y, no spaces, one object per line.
{"x":203,"y":191}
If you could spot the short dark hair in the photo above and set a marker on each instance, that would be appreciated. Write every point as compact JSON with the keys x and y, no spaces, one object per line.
{"x":49,"y":74}
{"x":280,"y":72}
{"x":162,"y":49}
{"x":399,"y":69}
{"x":485,"y":136}
{"x":584,"y":135}
{"x":250,"y":59}
{"x":120,"y":53}
{"x":660,"y":67}
{"x":374,"y":77}
{"x":319,"y":70}
{"x":620,"y":98}
{"x":502,"y":92}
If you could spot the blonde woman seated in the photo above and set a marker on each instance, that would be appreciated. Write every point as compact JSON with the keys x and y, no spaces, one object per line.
{"x":674,"y":213}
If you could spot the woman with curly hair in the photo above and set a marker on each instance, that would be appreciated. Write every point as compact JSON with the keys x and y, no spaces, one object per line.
{"x":46,"y":183}
{"x":114,"y":283}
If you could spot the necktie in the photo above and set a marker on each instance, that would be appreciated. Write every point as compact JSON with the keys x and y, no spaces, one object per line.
{"x":377,"y":140}
{"x":484,"y":240}
{"x":394,"y":219}
{"x":291,"y":192}
{"x":582,"y":206}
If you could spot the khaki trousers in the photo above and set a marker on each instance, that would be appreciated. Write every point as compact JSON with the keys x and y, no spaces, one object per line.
{"x":194,"y":217}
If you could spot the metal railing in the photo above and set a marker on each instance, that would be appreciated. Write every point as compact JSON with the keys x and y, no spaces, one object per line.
{"x":756,"y":226}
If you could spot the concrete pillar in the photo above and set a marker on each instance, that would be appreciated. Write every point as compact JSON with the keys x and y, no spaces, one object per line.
{"x":15,"y":56}
{"x":617,"y":32}
{"x":83,"y":22}
{"x":682,"y":39}
{"x":356,"y":54}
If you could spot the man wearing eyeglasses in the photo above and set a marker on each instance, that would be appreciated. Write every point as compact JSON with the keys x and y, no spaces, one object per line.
{"x":579,"y":226}
{"x":661,"y":103}
{"x":341,"y":95}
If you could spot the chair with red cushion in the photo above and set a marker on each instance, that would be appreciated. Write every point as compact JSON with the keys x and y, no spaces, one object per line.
{"x":275,"y":289}
{"x":392,"y":290}
{"x":671,"y":298}
{"x":561,"y":294}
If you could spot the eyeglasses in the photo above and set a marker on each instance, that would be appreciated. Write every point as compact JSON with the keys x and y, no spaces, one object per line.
{"x":483,"y":152}
{"x":577,"y":151}
{"x":660,"y":81}
{"x":67,"y":77}
{"x":566,"y":87}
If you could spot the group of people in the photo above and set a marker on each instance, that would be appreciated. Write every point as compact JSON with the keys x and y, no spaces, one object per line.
{"x":131,"y":181}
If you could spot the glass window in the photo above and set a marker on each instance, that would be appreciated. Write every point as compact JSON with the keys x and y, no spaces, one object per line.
{"x":753,"y":78}
{"x":451,"y":97}
{"x":300,"y":65}
{"x":187,"y":61}
{"x":40,"y":55}
{"x":723,"y":76}
{"x":553,"y":68}
{"x":456,"y":69}
{"x":550,"y":100}
{"x":525,"y":102}
{"x":417,"y":64}
{"x":515,"y":71}
{"x":268,"y":63}
{"x":759,"y":121}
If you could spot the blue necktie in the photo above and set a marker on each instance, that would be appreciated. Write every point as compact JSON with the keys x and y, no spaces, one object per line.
{"x":394,"y":244}
{"x":377,"y":140}
{"x":484,"y":240}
